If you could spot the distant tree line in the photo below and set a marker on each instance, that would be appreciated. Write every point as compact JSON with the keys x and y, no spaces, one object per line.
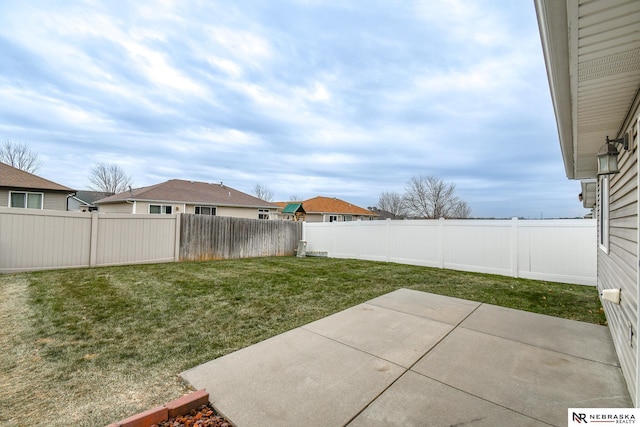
{"x":425,"y":197}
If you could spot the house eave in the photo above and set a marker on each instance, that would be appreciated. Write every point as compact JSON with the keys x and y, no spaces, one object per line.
{"x":554,"y":34}
{"x":591,"y":51}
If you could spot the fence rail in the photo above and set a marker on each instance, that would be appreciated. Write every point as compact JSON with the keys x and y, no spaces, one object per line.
{"x":554,"y":250}
{"x":43,"y":239}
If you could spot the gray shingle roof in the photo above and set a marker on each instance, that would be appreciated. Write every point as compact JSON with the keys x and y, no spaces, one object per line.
{"x":191,"y":192}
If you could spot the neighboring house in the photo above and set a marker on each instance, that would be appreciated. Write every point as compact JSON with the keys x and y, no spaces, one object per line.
{"x":20,"y":189}
{"x":382,"y":214}
{"x":180,"y":196}
{"x":592,"y":54}
{"x":324,"y":209}
{"x":83,"y":201}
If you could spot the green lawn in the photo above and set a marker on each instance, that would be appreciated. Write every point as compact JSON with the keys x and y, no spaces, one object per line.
{"x":92,"y":346}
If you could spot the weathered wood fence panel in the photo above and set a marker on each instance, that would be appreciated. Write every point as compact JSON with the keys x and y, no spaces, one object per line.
{"x":205,"y":237}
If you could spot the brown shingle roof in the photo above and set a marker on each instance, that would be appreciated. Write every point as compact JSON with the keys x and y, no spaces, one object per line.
{"x":332,"y":205}
{"x":192,"y":192}
{"x":16,"y":178}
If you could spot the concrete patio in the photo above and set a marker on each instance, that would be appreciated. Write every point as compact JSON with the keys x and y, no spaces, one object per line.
{"x":411,"y":358}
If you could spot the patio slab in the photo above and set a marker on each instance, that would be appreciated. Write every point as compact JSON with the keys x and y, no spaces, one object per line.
{"x":295,"y":376}
{"x":413,"y":358}
{"x":390,"y":335}
{"x":530,"y":380}
{"x":553,"y":333}
{"x":415,"y":400}
{"x":430,"y":306}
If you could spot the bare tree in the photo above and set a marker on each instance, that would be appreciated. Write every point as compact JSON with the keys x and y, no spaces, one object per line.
{"x":431,"y":197}
{"x":393,"y":203}
{"x":19,"y":156}
{"x":263,"y":192}
{"x":109,"y":178}
{"x":461,"y":210}
{"x":295,"y":198}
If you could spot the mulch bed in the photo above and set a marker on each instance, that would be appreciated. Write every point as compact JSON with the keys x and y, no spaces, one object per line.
{"x":204,"y":416}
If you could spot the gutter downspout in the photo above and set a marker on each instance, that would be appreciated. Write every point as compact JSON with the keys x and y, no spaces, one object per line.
{"x":132,"y":202}
{"x":68,"y":197}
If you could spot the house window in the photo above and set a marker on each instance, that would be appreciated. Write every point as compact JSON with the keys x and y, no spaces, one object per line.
{"x":348,"y":218}
{"x":603,"y":213}
{"x":159,"y":209}
{"x":333,"y":218}
{"x":26,"y":200}
{"x":263,"y":213}
{"x":205,"y":210}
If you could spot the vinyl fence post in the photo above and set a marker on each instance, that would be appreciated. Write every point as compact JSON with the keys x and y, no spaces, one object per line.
{"x":514,"y":247}
{"x":441,"y":242}
{"x":387,"y":239}
{"x":93,"y":243}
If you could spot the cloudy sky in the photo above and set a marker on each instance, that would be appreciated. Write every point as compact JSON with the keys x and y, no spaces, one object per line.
{"x":337,"y":98}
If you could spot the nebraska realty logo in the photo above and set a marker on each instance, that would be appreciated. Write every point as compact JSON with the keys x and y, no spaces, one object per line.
{"x":600,"y":416}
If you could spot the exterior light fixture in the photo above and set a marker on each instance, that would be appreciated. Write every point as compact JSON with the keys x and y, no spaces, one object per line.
{"x":608,"y":155}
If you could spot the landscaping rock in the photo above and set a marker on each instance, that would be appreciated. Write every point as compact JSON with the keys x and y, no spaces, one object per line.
{"x":204,"y":416}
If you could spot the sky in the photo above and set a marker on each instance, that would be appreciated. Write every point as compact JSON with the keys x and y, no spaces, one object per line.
{"x":308,"y":98}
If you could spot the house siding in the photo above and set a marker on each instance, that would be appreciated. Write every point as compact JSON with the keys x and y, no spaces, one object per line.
{"x":316,"y":217}
{"x":619,"y":267}
{"x":143,"y":208}
{"x":4,"y":197}
{"x":250,"y":213}
{"x":116,"y":208}
{"x":52,"y":200}
{"x":55,"y":201}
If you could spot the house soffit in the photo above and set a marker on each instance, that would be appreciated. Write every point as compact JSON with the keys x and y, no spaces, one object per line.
{"x":604,"y":75}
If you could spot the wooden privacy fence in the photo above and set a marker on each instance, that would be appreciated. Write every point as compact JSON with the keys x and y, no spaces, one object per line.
{"x":44,"y":239}
{"x":205,"y":237}
{"x":554,"y":250}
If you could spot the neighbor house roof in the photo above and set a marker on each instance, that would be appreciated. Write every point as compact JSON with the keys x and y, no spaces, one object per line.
{"x":16,"y":178}
{"x":89,"y":197}
{"x":322,"y":204}
{"x":191,"y":192}
{"x":591,"y":51}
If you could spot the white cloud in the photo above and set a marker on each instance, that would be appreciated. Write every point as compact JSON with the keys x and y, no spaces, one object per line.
{"x":249,"y":48}
{"x":342,"y":98}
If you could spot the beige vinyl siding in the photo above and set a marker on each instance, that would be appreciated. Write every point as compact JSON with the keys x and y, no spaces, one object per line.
{"x":116,"y":208}
{"x":618,"y":268}
{"x":55,"y":201}
{"x":236,"y":212}
{"x":4,"y":198}
{"x":52,"y":200}
{"x":143,"y":208}
{"x":311,"y":217}
{"x":250,"y":213}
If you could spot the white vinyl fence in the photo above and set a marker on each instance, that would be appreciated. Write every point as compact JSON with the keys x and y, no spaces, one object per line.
{"x":553,"y":250}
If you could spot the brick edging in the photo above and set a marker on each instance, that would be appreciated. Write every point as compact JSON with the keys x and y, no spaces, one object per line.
{"x":180,"y":406}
